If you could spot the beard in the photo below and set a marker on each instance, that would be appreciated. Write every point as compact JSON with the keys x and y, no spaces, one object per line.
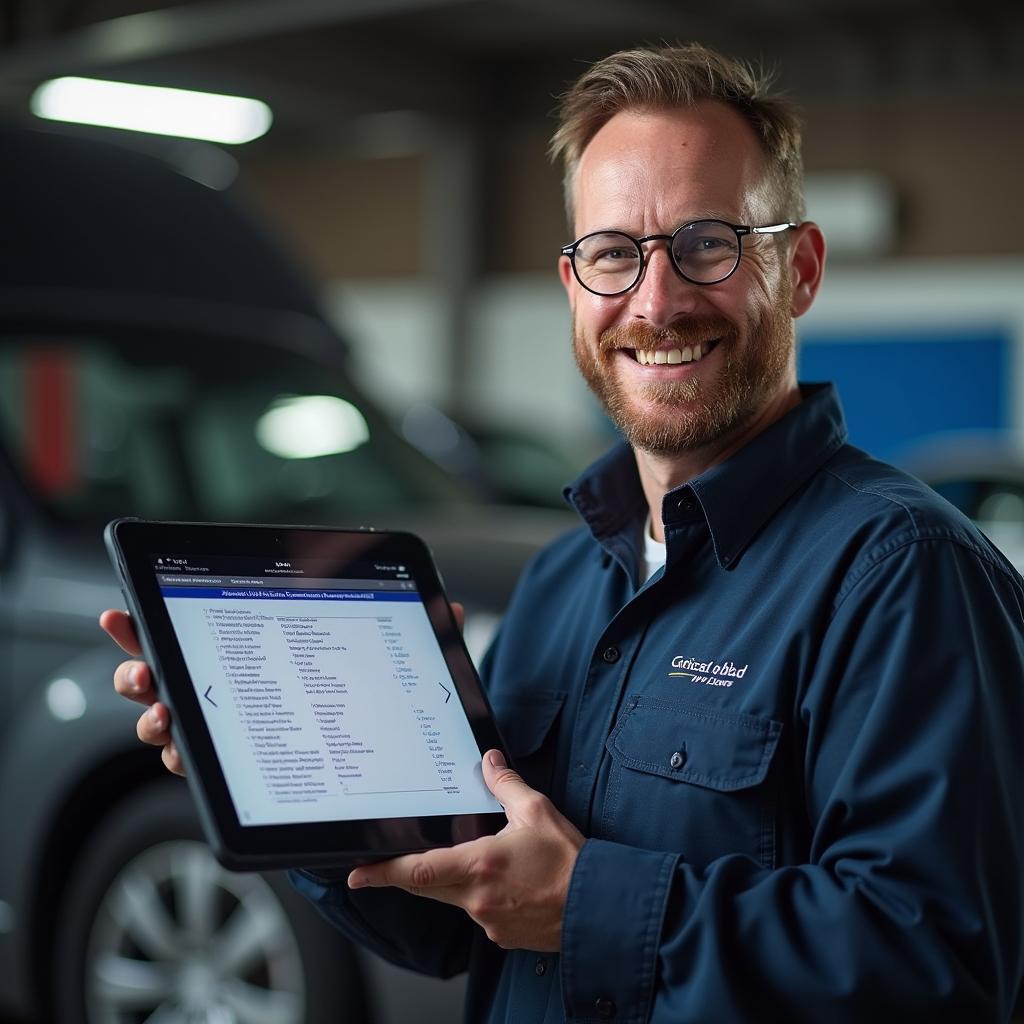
{"x":675,"y":416}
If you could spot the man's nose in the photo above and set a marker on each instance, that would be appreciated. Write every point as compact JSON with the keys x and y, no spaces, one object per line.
{"x":661,"y":296}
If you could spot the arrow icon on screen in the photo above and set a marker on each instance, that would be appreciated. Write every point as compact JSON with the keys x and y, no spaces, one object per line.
{"x":209,"y":698}
{"x":446,"y":690}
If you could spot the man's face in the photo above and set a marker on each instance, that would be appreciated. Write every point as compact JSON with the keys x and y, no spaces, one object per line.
{"x":647,"y":173}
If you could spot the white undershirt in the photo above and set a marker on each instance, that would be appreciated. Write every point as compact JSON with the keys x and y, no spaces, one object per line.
{"x":654,"y":552}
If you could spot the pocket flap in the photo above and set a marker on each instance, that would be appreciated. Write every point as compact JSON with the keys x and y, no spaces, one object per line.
{"x":525,"y":719}
{"x":694,"y":743}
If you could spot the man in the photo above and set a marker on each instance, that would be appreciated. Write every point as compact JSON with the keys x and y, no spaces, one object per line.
{"x":766,"y":704}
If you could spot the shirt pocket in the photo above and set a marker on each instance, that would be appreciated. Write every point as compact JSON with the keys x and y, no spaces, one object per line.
{"x":692,"y":779}
{"x":527,"y":724}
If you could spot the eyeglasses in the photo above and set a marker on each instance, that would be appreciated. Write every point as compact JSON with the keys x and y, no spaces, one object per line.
{"x":702,"y":251}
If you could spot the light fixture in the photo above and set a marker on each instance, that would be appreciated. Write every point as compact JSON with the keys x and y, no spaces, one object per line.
{"x":65,"y":700}
{"x":310,"y":426}
{"x":154,"y":109}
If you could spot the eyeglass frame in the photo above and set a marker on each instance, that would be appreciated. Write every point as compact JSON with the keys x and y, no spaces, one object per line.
{"x":740,"y":230}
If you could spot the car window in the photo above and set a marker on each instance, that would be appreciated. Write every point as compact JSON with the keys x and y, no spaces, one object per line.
{"x":200,"y":428}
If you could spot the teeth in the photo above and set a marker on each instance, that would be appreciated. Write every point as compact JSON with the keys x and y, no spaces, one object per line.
{"x":688,"y":354}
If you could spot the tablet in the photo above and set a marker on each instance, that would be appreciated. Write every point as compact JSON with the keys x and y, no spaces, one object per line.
{"x":322,"y":699}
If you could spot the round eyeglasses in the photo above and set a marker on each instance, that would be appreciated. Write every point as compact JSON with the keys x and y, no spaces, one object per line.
{"x":702,"y":251}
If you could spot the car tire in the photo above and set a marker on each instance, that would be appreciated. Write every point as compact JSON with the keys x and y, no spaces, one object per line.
{"x":151,"y":925}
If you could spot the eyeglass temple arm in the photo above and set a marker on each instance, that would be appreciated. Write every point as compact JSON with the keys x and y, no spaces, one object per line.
{"x":771,"y":229}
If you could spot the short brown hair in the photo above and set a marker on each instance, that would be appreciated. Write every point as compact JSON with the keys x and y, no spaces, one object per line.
{"x":682,"y":76}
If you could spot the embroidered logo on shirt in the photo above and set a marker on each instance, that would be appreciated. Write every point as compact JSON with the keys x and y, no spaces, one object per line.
{"x":710,"y":673}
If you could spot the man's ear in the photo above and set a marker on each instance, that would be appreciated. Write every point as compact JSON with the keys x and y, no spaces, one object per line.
{"x":568,"y":280}
{"x":806,"y":265}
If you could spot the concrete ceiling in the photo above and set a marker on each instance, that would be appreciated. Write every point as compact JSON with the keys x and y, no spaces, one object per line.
{"x":331,"y":68}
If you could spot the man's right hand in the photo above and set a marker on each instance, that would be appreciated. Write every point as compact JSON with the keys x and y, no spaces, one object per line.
{"x":132,"y":679}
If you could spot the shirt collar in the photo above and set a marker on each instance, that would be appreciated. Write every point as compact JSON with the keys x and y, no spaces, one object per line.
{"x":735,"y":497}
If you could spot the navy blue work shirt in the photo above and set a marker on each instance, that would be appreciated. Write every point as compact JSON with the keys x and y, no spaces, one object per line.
{"x":795,"y":752}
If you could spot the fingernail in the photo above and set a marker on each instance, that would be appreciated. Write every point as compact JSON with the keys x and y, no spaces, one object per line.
{"x":355,"y":881}
{"x":154,"y":715}
{"x":496,"y":759}
{"x":133,"y":678}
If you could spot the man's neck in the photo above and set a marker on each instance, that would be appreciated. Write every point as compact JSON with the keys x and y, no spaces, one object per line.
{"x":662,"y":472}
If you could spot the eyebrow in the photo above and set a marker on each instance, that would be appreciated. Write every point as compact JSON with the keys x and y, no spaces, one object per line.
{"x":725,"y":218}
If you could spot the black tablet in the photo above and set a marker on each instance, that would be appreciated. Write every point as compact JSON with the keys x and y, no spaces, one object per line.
{"x":321,"y":696}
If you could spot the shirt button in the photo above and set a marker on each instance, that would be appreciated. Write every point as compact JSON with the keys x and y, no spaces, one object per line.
{"x":540,"y":967}
{"x":611,"y":655}
{"x":677,"y":760}
{"x":687,"y":504}
{"x":605,"y":1008}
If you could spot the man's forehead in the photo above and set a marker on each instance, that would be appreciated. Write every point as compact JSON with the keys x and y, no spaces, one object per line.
{"x":704,"y":159}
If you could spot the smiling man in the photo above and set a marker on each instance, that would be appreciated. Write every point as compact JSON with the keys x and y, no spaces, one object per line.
{"x":765,"y":705}
{"x":689,"y":374}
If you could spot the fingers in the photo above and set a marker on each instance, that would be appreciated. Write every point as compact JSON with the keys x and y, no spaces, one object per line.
{"x":460,"y":614}
{"x":419,"y":873}
{"x":154,"y":726}
{"x":118,"y":625}
{"x":172,"y":759}
{"x":132,"y":679}
{"x":521,"y":803}
{"x":505,"y":783}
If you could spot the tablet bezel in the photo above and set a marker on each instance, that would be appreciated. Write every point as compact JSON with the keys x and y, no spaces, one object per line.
{"x":134,"y":543}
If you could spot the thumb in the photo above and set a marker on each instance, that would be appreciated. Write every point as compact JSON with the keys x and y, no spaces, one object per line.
{"x":459,"y":611}
{"x":506,"y":785}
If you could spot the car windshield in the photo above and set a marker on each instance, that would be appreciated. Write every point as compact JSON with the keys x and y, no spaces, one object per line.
{"x":200,"y":428}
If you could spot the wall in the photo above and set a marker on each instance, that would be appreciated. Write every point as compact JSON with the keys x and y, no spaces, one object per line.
{"x":956,"y":262}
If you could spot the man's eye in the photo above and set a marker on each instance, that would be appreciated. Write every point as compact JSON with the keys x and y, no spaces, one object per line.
{"x":708,"y":244}
{"x":616,"y":254}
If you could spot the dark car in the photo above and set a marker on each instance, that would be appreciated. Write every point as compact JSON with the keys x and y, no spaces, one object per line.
{"x":160,"y":357}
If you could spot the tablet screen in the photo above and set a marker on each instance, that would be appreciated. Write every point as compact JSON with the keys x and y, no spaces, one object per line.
{"x":325,"y":692}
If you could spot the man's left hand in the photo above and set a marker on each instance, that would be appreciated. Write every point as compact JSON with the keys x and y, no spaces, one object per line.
{"x":513,"y":884}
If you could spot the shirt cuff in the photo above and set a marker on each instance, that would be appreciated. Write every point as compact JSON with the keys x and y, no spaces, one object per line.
{"x":611,"y":931}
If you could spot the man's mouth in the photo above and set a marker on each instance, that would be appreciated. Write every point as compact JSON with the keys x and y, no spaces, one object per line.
{"x":682,"y":354}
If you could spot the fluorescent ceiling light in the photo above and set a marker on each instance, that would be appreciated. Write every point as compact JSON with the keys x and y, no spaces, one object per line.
{"x":310,"y":426}
{"x":153,"y":109}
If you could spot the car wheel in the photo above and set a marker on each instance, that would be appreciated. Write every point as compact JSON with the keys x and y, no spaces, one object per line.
{"x":154,"y":929}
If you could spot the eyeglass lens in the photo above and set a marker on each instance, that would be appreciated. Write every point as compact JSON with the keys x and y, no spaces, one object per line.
{"x":609,"y":262}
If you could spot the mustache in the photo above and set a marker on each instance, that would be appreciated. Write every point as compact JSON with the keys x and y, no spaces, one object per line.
{"x":696,"y":330}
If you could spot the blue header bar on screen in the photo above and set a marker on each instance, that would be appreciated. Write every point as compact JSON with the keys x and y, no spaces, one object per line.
{"x":291,"y":594}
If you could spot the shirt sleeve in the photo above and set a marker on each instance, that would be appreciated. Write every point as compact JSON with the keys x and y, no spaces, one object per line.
{"x":909,"y":904}
{"x":414,"y":932}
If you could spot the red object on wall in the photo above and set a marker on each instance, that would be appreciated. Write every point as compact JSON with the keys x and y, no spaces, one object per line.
{"x":51,"y":435}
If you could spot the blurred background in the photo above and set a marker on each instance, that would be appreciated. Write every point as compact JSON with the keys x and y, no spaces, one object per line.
{"x":405,"y":167}
{"x":173,"y":311}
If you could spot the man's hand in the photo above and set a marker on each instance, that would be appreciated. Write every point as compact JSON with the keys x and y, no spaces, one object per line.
{"x":132,"y":679}
{"x":513,"y":884}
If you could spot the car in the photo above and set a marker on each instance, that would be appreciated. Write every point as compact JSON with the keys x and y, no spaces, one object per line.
{"x":161,"y":357}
